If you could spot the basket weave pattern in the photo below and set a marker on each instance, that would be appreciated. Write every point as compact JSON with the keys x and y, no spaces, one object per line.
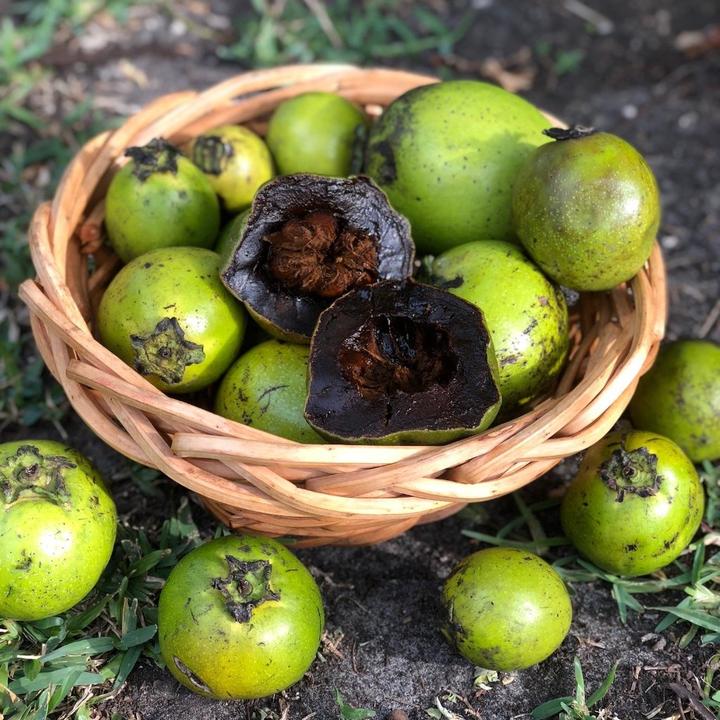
{"x":254,"y":480}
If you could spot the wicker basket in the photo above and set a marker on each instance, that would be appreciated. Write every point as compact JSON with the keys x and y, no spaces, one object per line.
{"x":253,"y":480}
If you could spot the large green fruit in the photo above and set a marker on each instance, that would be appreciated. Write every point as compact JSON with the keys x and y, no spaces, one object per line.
{"x":159,"y":199}
{"x":587,"y":209}
{"x":240,"y":617}
{"x":167,"y":315}
{"x":634,"y":505}
{"x":505,"y":609}
{"x":447,"y":155}
{"x":267,"y":388}
{"x":526,"y":314}
{"x":314,"y":133}
{"x":57,"y":528}
{"x":680,"y":398}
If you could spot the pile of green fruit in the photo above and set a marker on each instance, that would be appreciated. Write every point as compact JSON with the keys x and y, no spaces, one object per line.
{"x":428,"y":287}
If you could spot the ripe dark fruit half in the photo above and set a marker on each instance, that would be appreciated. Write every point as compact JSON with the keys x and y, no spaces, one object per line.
{"x":401,"y":362}
{"x":310,"y":239}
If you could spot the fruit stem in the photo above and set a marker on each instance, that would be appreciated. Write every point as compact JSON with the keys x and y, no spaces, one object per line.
{"x":575,"y":132}
{"x":246,"y":586}
{"x":631,"y":471}
{"x":158,"y":156}
{"x":30,"y":474}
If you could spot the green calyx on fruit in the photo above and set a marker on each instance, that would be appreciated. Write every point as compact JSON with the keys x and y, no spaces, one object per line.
{"x":401,"y":362}
{"x":633,"y":471}
{"x":30,"y":474}
{"x":158,"y":156}
{"x":165,"y":352}
{"x":310,"y":239}
{"x":246,"y":586}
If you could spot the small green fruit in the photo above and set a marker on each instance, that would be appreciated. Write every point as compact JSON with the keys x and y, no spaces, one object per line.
{"x":235,"y":160}
{"x":447,"y":155}
{"x":267,"y":388}
{"x":634,"y":505}
{"x":314,"y":133}
{"x":587,"y":209}
{"x":680,"y":398}
{"x":167,"y":315}
{"x":505,"y":609}
{"x":159,"y":199}
{"x":526,"y":314}
{"x":230,"y":237}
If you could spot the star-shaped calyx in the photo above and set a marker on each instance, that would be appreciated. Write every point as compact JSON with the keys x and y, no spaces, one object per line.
{"x":30,"y":474}
{"x":246,"y":586}
{"x":165,"y":352}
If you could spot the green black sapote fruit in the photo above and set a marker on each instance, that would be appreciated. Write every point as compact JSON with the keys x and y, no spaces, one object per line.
{"x":267,"y":388}
{"x":447,"y":154}
{"x":310,"y":239}
{"x":235,"y":160}
{"x":587,"y":209}
{"x":159,"y":199}
{"x":230,"y":236}
{"x":635,"y":503}
{"x":505,"y":609}
{"x":314,"y":133}
{"x":401,"y":362}
{"x":167,"y":315}
{"x":680,"y":397}
{"x":526,"y":314}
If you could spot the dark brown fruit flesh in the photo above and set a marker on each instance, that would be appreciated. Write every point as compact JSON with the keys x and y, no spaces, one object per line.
{"x":310,"y":239}
{"x":401,"y":362}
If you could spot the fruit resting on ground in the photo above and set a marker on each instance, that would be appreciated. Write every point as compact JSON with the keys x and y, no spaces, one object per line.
{"x":526,"y":314}
{"x":235,"y":160}
{"x":310,"y":239}
{"x":634,"y":505}
{"x":239,"y":618}
{"x":400,"y":362}
{"x":447,"y":155}
{"x":167,"y":315}
{"x":159,"y":199}
{"x":57,"y":528}
{"x":267,"y":388}
{"x":505,"y":609}
{"x":680,"y":398}
{"x":314,"y":133}
{"x":587,"y":209}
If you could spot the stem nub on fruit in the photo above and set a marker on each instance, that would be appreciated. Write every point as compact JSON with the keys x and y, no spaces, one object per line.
{"x":631,"y":471}
{"x":29,"y":473}
{"x":575,"y":132}
{"x":157,"y":156}
{"x":246,"y":586}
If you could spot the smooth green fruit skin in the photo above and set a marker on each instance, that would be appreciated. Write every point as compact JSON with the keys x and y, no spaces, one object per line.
{"x":679,"y":397}
{"x":181,"y":283}
{"x":314,"y":133}
{"x":228,"y":659}
{"x":447,"y":155}
{"x":52,"y":554}
{"x":638,"y":535}
{"x":230,"y":236}
{"x":165,"y":210}
{"x":587,"y":211}
{"x":505,"y":609}
{"x":267,"y":388}
{"x":250,"y":167}
{"x":526,"y":314}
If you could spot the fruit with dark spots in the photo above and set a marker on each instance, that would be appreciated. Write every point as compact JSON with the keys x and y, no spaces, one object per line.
{"x":526,"y":314}
{"x":401,"y":362}
{"x":310,"y":239}
{"x":159,"y":199}
{"x":634,"y":505}
{"x":505,"y":609}
{"x":230,"y":236}
{"x":57,"y":528}
{"x":267,"y":388}
{"x":240,"y":617}
{"x":314,"y":133}
{"x":235,"y":160}
{"x":587,"y":209}
{"x":167,"y":315}
{"x":679,"y":397}
{"x":447,"y":155}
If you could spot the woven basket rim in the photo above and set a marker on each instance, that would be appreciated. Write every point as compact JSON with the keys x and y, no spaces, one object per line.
{"x":258,"y":481}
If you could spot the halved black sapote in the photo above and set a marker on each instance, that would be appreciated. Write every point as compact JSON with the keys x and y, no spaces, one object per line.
{"x":308,"y":240}
{"x":401,"y":362}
